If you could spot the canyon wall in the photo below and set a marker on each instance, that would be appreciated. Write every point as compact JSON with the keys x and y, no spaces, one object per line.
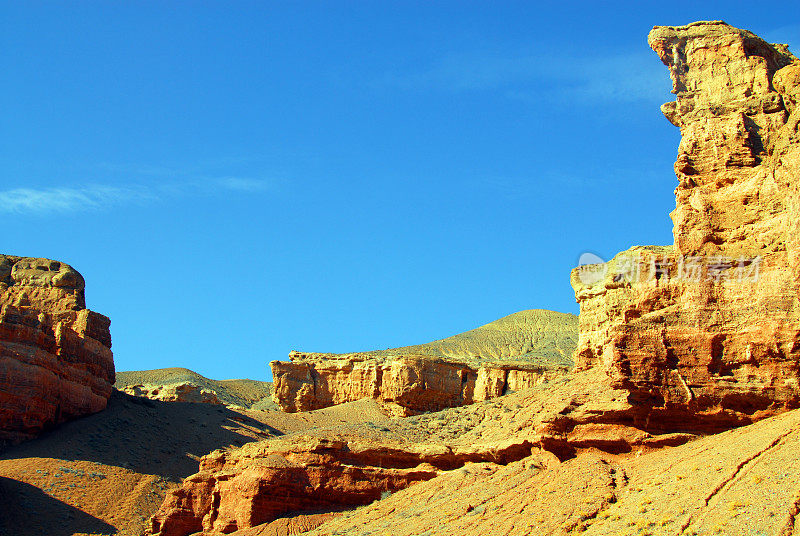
{"x":55,"y":355}
{"x":409,"y":383}
{"x":708,"y":330}
{"x":333,"y":469}
{"x":674,"y":341}
{"x":513,"y":353}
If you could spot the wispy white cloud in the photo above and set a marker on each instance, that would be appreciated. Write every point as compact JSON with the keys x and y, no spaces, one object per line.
{"x":622,"y":78}
{"x":97,"y":196}
{"x":69,"y":199}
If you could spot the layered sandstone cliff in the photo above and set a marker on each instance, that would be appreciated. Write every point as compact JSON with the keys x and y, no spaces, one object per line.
{"x":740,"y":482}
{"x":337,"y":468}
{"x":332,"y":469}
{"x":55,"y":355}
{"x":709,"y":329}
{"x":513,"y":353}
{"x":674,"y":340}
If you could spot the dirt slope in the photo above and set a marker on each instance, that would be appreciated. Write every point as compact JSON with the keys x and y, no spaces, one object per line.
{"x":548,"y":335}
{"x":243,"y":392}
{"x":534,"y":335}
{"x":741,"y":482}
{"x":107,"y":473}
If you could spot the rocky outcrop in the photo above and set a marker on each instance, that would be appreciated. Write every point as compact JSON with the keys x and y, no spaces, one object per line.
{"x":708,"y":331}
{"x":241,"y":393}
{"x":560,"y":458}
{"x":743,"y":481}
{"x":674,"y":342}
{"x":258,"y":484}
{"x":410,"y":384}
{"x":55,"y":355}
{"x":513,"y":353}
{"x":178,"y":392}
{"x":337,"y":468}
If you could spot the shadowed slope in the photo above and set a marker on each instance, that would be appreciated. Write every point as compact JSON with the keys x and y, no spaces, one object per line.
{"x":108,"y":472}
{"x":242,"y":392}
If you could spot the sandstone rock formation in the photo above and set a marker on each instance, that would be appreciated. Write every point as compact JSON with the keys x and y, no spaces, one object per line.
{"x":55,"y":355}
{"x":739,"y":482}
{"x":178,"y":392}
{"x":675,"y":342}
{"x":336,"y":468}
{"x":513,"y":353}
{"x":708,"y":330}
{"x":558,"y":459}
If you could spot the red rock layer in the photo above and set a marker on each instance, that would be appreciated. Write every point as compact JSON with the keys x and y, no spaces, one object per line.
{"x":707,"y":332}
{"x":414,"y":383}
{"x":55,"y":356}
{"x":261,"y":482}
{"x":327,"y":470}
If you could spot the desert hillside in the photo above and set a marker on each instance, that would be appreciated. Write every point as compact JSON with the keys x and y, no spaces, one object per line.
{"x":532,"y":335}
{"x":243,"y":392}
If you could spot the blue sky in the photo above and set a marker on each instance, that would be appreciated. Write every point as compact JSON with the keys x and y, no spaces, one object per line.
{"x":238,"y":180}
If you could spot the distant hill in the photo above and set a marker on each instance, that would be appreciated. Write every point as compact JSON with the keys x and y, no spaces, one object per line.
{"x":535,"y":335}
{"x":252,"y":394}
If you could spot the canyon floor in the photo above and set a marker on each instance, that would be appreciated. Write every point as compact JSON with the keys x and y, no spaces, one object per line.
{"x":107,"y":473}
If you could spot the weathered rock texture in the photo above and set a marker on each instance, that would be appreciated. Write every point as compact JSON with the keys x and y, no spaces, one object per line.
{"x":707,"y":332}
{"x":336,"y":468}
{"x":55,"y":355}
{"x":513,"y":353}
{"x":740,"y":482}
{"x":178,"y":392}
{"x":660,"y":358}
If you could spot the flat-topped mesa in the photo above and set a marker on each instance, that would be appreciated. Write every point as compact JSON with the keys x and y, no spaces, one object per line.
{"x":513,"y":353}
{"x":707,"y":333}
{"x":55,"y":355}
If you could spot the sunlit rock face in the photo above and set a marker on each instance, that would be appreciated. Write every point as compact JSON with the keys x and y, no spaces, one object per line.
{"x":708,"y":330}
{"x":698,"y":336}
{"x":516,"y":352}
{"x":55,"y":355}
